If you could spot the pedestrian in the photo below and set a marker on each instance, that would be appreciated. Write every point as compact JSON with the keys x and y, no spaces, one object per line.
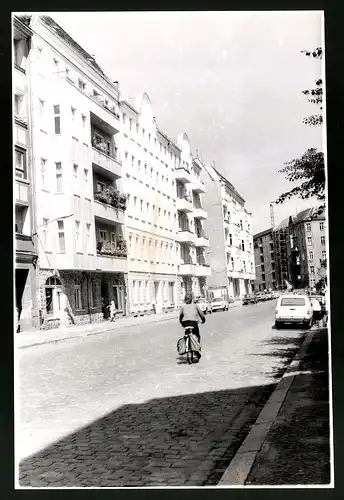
{"x":190,"y":314}
{"x":112,"y":308}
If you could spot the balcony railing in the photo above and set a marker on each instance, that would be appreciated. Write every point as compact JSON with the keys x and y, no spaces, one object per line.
{"x":112,"y":197}
{"x":102,"y":147}
{"x":99,"y":100}
{"x":108,"y":248}
{"x":21,"y":120}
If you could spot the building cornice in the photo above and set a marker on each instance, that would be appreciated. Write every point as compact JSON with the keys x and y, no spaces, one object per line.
{"x":21,"y":28}
{"x":126,"y":103}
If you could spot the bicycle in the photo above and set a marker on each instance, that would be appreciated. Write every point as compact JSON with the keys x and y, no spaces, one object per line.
{"x":188,"y":330}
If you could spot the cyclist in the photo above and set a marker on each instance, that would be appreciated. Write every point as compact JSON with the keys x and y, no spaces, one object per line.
{"x":190,"y":314}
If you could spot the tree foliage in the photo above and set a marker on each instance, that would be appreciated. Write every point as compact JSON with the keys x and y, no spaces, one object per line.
{"x":310,"y":168}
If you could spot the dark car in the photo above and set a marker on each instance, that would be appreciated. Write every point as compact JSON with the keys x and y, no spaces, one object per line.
{"x":249,"y":298}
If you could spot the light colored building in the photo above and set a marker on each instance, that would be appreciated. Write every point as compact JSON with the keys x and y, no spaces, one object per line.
{"x":265,"y":264}
{"x":306,"y":247}
{"x":229,"y":229}
{"x":164,"y":210}
{"x":26,"y":255}
{"x":79,"y":198}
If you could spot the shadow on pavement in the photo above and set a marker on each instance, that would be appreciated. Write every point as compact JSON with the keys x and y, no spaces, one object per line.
{"x":297,"y":449}
{"x":286,"y":349}
{"x":160,"y":442}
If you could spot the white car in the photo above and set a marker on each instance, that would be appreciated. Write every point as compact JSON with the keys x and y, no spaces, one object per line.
{"x":294,"y":309}
{"x":219,"y":304}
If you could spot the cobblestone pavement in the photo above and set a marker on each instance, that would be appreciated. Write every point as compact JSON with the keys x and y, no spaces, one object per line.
{"x":125,"y":410}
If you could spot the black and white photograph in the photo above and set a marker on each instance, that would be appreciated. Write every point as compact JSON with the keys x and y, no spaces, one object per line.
{"x":171,"y":250}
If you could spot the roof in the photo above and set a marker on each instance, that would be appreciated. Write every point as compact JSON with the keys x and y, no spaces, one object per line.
{"x":262,"y":233}
{"x":229,"y":184}
{"x":283,"y":224}
{"x":48,"y":21}
{"x":309,"y":214}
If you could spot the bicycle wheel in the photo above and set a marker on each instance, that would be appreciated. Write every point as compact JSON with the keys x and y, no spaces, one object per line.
{"x":189,"y":354}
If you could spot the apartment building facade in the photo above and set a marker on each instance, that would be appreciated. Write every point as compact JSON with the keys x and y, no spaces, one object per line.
{"x":165,"y":254}
{"x":306,"y":247}
{"x":26,"y":254}
{"x":80,"y":204}
{"x":265,"y":264}
{"x":229,"y":228}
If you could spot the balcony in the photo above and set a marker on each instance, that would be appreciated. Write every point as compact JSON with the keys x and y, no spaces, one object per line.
{"x":199,"y":213}
{"x":184,"y":204}
{"x":187,"y":269}
{"x":107,"y":212}
{"x":182,"y":175}
{"x":203,"y":270}
{"x":110,"y":108}
{"x":109,"y":263}
{"x":20,"y":120}
{"x":186,"y":236}
{"x":197,"y":186}
{"x":202,"y":241}
{"x":110,"y":163}
{"x":109,"y":249}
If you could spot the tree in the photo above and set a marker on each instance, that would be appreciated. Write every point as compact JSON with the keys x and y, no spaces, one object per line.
{"x":310,"y":168}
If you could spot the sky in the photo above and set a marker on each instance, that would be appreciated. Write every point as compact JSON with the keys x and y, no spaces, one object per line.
{"x":232,"y":81}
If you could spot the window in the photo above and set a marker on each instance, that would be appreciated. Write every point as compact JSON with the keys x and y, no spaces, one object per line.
{"x":57,"y":120}
{"x":83,"y":118}
{"x":147,"y":206}
{"x":151,"y":173}
{"x":132,"y":160}
{"x":73,"y":110}
{"x":75,"y":170}
{"x":323,"y":254}
{"x":242,"y":245}
{"x":308,"y":226}
{"x":311,"y":255}
{"x":43,"y":171}
{"x":103,"y":235}
{"x":100,"y":186}
{"x":230,"y":240}
{"x":241,"y":224}
{"x":126,"y":155}
{"x":77,"y":295}
{"x":309,"y":241}
{"x":293,"y":301}
{"x":135,"y":201}
{"x":232,"y":262}
{"x":130,"y":123}
{"x":322,"y":240}
{"x":82,"y":85}
{"x":20,"y":163}
{"x":86,"y":174}
{"x":312,"y":269}
{"x":41,"y":107}
{"x":61,"y":236}
{"x":322,"y":227}
{"x":88,"y":238}
{"x":94,"y":294}
{"x":56,"y":64}
{"x":20,"y":219}
{"x":45,"y":234}
{"x":77,"y":236}
{"x":141,"y":206}
{"x":18,"y":99}
{"x":58,"y":167}
{"x":159,"y":211}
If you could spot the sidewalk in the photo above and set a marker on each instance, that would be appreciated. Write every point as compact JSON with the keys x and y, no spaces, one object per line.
{"x":29,"y":339}
{"x":289,"y":443}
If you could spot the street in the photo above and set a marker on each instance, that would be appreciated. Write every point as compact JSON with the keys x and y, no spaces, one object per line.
{"x":123,"y":409}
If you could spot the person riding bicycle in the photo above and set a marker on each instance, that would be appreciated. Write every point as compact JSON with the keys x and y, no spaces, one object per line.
{"x":190,"y":314}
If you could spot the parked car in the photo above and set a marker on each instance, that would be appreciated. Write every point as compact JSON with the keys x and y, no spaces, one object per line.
{"x":275,"y":295}
{"x":294,"y":309}
{"x":260,"y":296}
{"x":203,"y":304}
{"x":219,"y":304}
{"x":268,"y":296}
{"x":249,"y":298}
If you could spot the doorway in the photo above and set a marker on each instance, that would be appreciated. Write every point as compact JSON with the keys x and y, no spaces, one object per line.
{"x":53,"y":293}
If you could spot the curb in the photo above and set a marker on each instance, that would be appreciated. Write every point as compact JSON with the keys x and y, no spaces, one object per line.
{"x":88,"y":334}
{"x":241,"y":464}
